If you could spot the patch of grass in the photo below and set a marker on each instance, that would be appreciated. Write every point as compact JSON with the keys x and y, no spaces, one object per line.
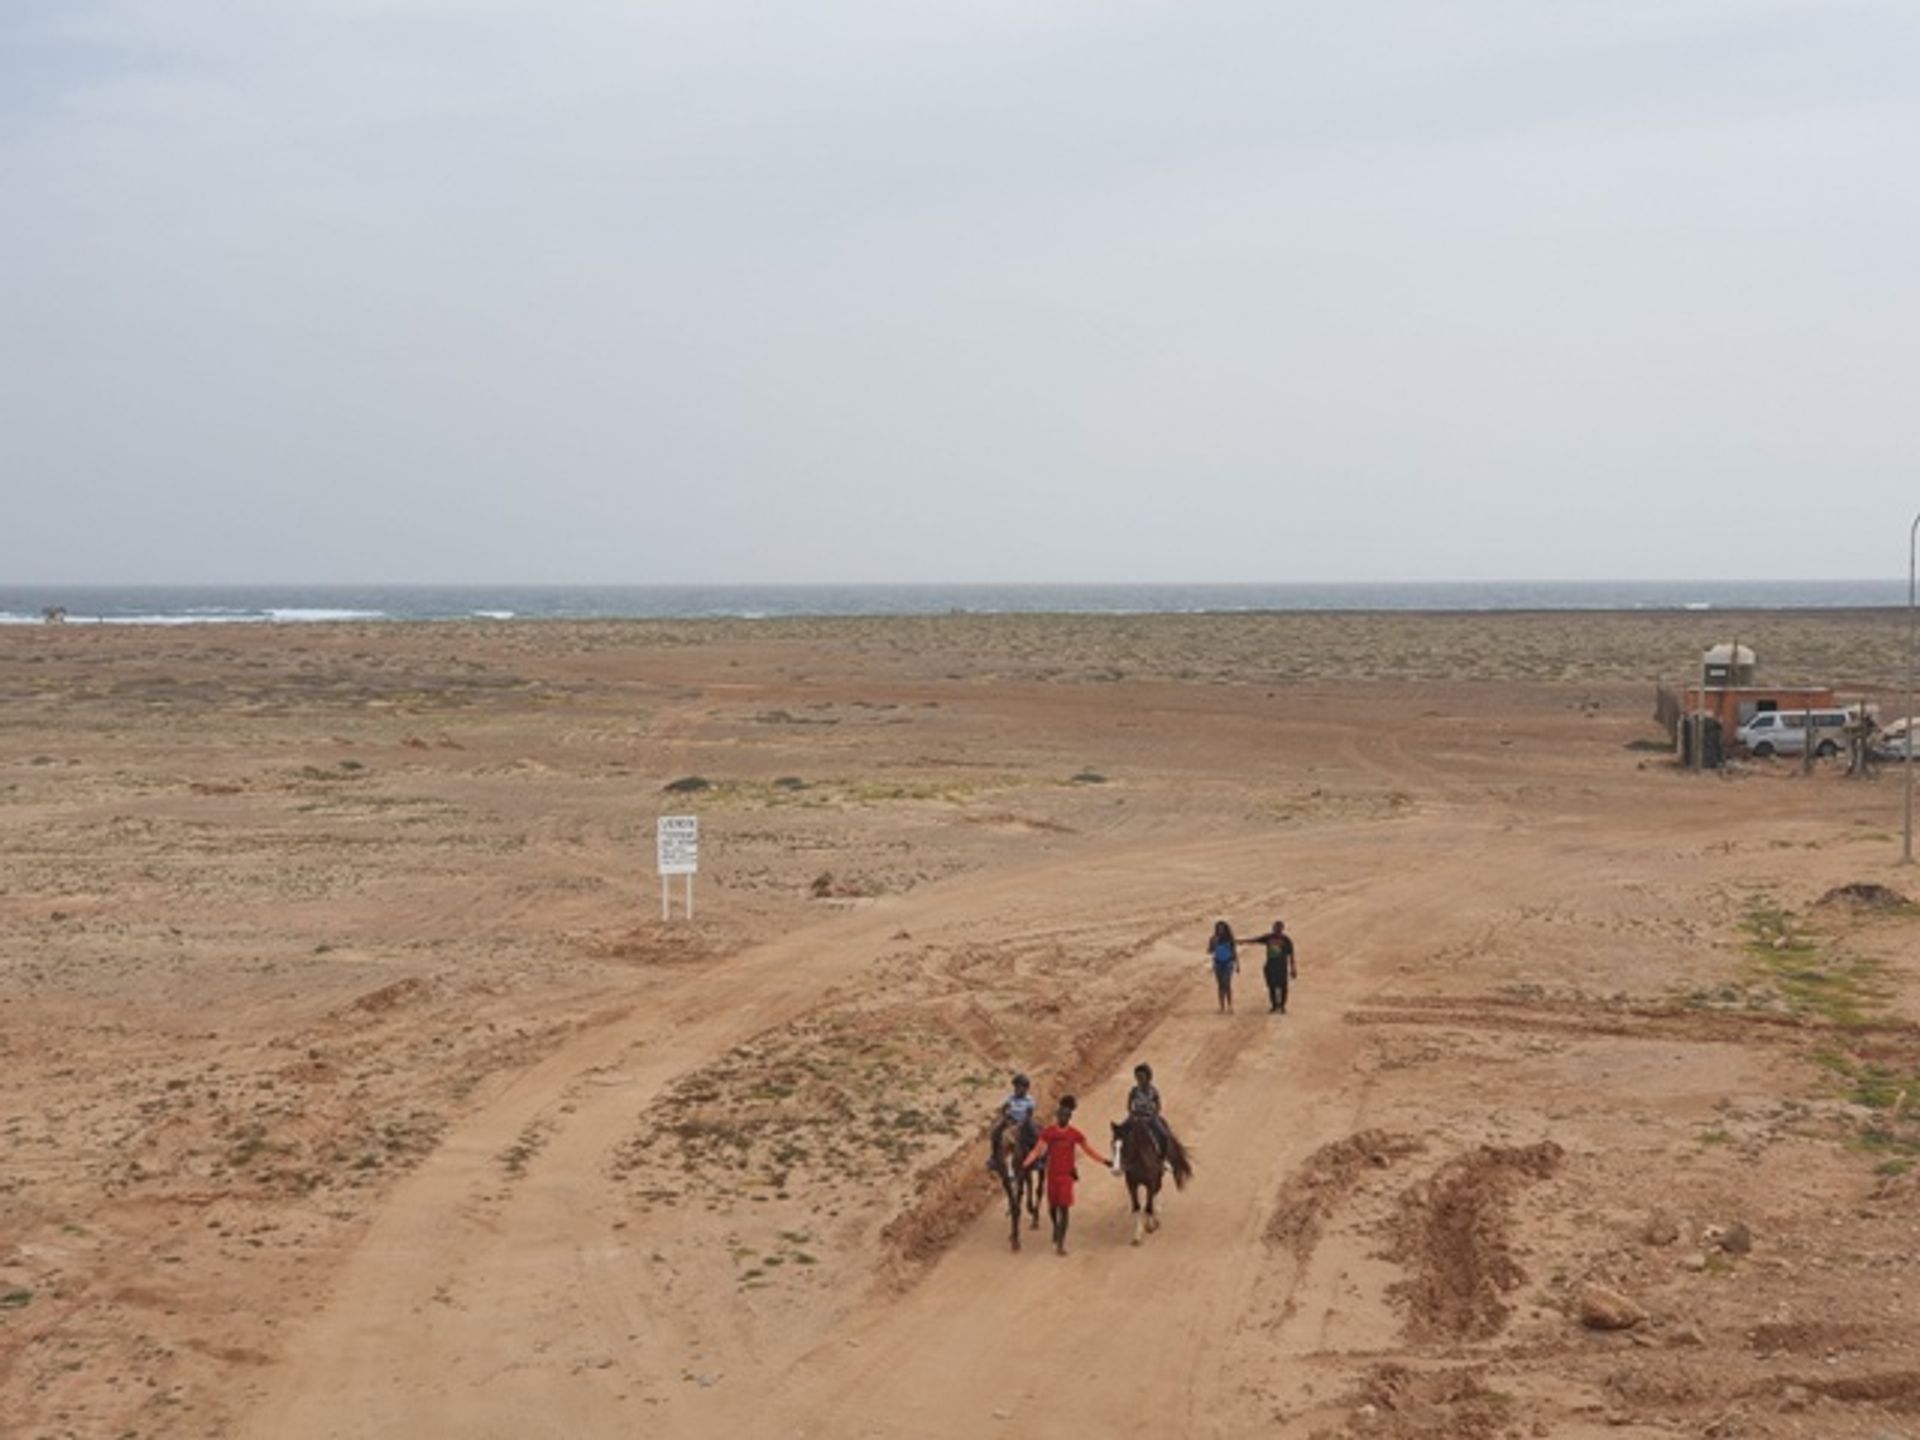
{"x":1833,"y":1061}
{"x":1715,"y":1136}
{"x":1790,"y":962}
{"x":349,"y":770}
{"x":877,"y":792}
{"x":530,"y":1142}
{"x":1874,"y":1082}
{"x":1770,"y":929}
{"x":1880,"y":1087}
{"x":791,"y":790}
{"x":249,"y":1143}
{"x":1876,"y":1140}
{"x":1883,"y":1079}
{"x":827,"y":886}
{"x":16,"y":1299}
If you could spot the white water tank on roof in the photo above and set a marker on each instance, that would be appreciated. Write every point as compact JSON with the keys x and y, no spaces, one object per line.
{"x":1727,"y":665}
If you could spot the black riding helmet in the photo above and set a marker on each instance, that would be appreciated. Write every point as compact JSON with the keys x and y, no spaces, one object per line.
{"x":1020,"y":1082}
{"x":1143,"y":1072}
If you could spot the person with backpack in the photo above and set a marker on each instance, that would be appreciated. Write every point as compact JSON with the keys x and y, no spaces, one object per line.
{"x":1223,"y":953}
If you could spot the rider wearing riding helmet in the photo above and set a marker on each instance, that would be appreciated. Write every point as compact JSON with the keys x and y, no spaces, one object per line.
{"x":1016,"y":1110}
{"x":1143,"y":1108}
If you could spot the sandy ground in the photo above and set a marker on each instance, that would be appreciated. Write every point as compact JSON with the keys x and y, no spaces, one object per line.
{"x":355,"y":1088}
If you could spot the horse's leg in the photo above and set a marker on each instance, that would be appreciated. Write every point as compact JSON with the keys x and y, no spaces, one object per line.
{"x":1013,"y":1211}
{"x":1133,"y":1195}
{"x":1033,"y":1199}
{"x":1153,"y":1220}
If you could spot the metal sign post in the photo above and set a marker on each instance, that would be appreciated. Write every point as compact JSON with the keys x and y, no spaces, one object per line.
{"x":1906,"y":829}
{"x":677,"y":847}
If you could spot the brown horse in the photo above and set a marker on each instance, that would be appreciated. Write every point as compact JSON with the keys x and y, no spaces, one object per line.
{"x":1021,"y":1181}
{"x":1141,"y":1164}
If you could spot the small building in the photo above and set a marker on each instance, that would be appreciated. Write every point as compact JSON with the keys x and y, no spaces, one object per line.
{"x":1734,"y":705}
{"x":1728,"y":698}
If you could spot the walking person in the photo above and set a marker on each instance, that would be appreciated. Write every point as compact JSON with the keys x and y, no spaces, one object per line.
{"x":1223,"y":953}
{"x":1280,"y":967}
{"x":1058,"y":1143}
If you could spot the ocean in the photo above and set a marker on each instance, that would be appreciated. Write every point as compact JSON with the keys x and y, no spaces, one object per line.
{"x":306,"y":604}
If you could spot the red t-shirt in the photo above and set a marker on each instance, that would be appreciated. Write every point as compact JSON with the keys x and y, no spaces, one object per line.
{"x":1060,"y":1141}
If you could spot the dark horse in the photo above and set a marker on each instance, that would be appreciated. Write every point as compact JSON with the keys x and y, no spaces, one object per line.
{"x":1021,"y":1181}
{"x":1140,"y":1163}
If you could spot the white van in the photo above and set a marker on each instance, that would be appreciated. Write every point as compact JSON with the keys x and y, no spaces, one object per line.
{"x":1784,"y":732}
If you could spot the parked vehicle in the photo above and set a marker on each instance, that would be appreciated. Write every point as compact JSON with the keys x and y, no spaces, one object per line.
{"x":1891,"y":743}
{"x":1784,"y":732}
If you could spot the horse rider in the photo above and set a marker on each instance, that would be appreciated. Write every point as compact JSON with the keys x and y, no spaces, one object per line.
{"x":1143,"y":1109}
{"x":1016,"y":1111}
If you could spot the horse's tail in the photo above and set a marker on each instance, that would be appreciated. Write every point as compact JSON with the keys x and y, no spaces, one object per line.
{"x":1180,"y":1160}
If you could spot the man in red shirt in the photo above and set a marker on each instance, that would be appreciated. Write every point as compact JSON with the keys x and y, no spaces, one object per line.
{"x":1057,"y":1143}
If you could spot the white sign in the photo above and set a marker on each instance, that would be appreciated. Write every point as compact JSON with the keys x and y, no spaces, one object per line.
{"x":677,"y":841}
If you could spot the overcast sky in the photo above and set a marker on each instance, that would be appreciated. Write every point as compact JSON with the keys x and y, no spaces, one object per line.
{"x":586,"y":291}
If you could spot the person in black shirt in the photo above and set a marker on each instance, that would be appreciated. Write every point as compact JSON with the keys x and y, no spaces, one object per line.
{"x":1280,"y":967}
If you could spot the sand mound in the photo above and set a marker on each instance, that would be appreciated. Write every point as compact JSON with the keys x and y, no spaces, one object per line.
{"x":1453,"y":1404}
{"x":1453,"y":1237}
{"x":1865,"y":895}
{"x":1318,"y":1188}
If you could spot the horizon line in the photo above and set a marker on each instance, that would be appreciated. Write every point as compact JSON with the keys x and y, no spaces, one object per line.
{"x":1889,"y":579}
